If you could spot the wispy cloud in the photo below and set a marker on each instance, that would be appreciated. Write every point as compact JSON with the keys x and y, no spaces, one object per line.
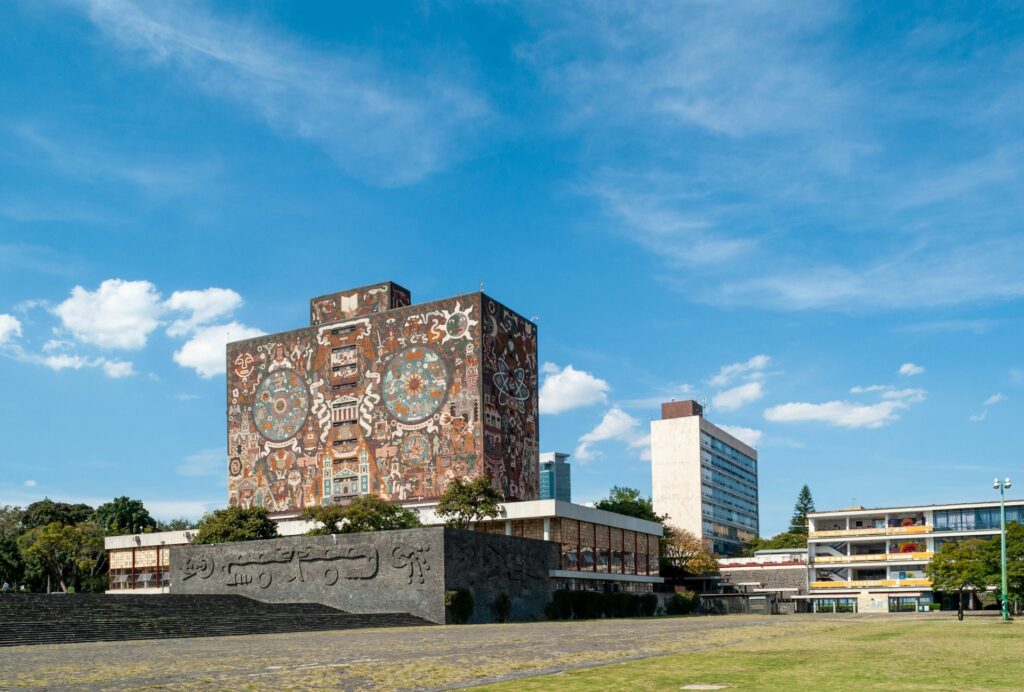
{"x":731,"y":132}
{"x":380,"y":125}
{"x":615,"y":424}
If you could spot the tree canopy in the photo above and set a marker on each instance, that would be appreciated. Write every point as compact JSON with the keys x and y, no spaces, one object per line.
{"x":630,"y":502}
{"x":779,"y":541}
{"x":70,"y":554}
{"x":364,"y":513}
{"x":235,"y":524}
{"x":687,"y":552}
{"x":123,"y":515}
{"x":804,"y":505}
{"x":47,"y":511}
{"x":464,"y":502}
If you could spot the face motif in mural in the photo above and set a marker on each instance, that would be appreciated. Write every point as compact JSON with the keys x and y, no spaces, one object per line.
{"x":281,"y":405}
{"x":415,"y":449}
{"x":415,"y":385}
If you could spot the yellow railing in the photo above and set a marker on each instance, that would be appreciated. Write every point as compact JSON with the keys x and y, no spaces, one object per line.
{"x":876,"y":557}
{"x":879,"y":531}
{"x":870,"y":583}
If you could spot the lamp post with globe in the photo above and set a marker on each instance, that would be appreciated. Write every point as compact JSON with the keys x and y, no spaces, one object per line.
{"x":1002,"y":487}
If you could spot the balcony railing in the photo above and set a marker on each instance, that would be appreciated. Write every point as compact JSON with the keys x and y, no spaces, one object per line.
{"x":877,"y":531}
{"x":871,"y":583}
{"x":874,"y":557}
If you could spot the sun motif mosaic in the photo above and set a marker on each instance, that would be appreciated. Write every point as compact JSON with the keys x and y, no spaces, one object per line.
{"x":281,"y":405}
{"x":415,"y":385}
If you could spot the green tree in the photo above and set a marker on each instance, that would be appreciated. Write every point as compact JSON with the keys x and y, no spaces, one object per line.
{"x":464,"y":502}
{"x":179,"y":524}
{"x":804,"y":505}
{"x":364,"y":513}
{"x":235,"y":524}
{"x":628,"y":501}
{"x":1014,"y":562}
{"x":122,"y":515}
{"x":781,"y":541}
{"x":959,"y":566}
{"x":12,"y":567}
{"x":47,"y":511}
{"x":681,"y":550}
{"x":72,"y":555}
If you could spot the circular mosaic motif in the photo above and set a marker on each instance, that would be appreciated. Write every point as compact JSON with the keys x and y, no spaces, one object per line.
{"x":415,"y":384}
{"x":457,"y":325}
{"x":281,"y":405}
{"x":415,"y":449}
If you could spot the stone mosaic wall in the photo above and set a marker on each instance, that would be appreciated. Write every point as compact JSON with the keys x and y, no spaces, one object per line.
{"x":396,"y":402}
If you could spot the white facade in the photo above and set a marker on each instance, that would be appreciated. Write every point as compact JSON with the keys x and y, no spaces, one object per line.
{"x":873,"y":560}
{"x":705,"y":480}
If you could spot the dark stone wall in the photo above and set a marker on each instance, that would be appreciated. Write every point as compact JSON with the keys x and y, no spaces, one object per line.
{"x":382,"y":572}
{"x":770,"y":578}
{"x":488,"y":564}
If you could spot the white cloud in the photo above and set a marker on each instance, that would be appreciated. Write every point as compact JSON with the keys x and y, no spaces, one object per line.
{"x":991,"y":401}
{"x":741,"y":395}
{"x":843,"y":414}
{"x":911,"y":369}
{"x":205,"y":350}
{"x":729,"y":373}
{"x":749,"y":435}
{"x":205,"y":462}
{"x":119,"y":314}
{"x":204,"y":306}
{"x":912,"y":395}
{"x":30,"y":483}
{"x":567,"y":388}
{"x":379,"y":125}
{"x":10,"y":328}
{"x":616,"y":424}
{"x":118,"y":368}
{"x":870,"y":388}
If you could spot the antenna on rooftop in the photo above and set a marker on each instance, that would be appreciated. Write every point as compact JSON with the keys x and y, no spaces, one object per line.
{"x":481,"y":285}
{"x":704,"y":403}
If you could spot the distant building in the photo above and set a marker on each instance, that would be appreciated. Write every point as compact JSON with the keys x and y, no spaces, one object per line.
{"x":555,"y":477}
{"x":781,"y":573}
{"x":873,"y":560}
{"x":703,"y":478}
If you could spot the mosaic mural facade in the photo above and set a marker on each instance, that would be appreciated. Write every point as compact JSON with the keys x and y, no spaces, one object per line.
{"x":391,"y":399}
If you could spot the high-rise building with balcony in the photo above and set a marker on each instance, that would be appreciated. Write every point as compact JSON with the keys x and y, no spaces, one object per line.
{"x":873,"y":560}
{"x":555,"y":477}
{"x":703,"y":478}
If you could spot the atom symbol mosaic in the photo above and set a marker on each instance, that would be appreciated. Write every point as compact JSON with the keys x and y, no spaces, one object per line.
{"x":415,"y":385}
{"x":511,"y":384}
{"x":281,"y":405}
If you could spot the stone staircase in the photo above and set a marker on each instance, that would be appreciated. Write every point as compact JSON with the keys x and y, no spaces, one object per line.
{"x":68,"y":618}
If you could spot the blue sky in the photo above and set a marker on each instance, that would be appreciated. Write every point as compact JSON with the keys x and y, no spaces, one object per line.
{"x":808,"y":214}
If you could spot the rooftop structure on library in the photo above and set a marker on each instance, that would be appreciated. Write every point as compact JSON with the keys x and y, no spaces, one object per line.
{"x":379,"y":396}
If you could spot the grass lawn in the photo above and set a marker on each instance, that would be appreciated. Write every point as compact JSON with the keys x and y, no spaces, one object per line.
{"x":919,"y":653}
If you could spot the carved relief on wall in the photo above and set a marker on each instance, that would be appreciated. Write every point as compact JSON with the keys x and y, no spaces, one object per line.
{"x":329,"y":566}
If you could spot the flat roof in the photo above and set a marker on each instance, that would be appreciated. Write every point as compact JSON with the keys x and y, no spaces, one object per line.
{"x":913,"y":508}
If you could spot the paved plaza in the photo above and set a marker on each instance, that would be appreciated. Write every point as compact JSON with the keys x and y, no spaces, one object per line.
{"x":408,"y":658}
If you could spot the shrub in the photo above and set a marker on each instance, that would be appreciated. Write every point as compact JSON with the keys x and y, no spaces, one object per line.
{"x":648,"y":604}
{"x":460,"y":604}
{"x":681,"y":603}
{"x":502,"y":607}
{"x":586,"y":605}
{"x":560,"y":607}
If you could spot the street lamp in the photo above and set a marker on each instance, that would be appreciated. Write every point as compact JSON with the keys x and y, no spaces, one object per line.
{"x":1002,"y":487}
